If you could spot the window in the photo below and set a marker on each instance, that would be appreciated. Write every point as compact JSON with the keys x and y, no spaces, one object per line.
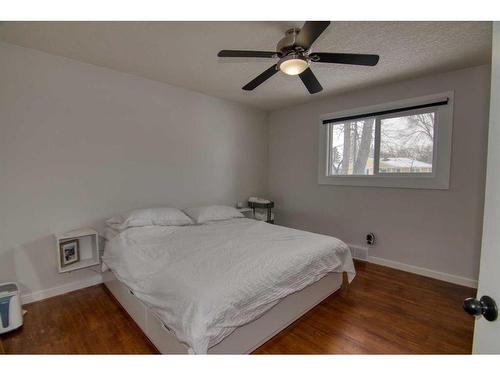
{"x":407,"y":144}
{"x":393,"y":145}
{"x":351,"y":147}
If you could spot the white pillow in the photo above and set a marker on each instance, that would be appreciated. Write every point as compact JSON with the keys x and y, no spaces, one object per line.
{"x":212,"y":213}
{"x":149,"y":216}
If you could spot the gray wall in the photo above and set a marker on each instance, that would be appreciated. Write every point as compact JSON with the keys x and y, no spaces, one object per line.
{"x":79,"y":143}
{"x":438,"y":230}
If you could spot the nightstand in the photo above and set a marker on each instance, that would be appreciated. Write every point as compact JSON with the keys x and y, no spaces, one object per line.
{"x":77,"y":249}
{"x":267,"y":206}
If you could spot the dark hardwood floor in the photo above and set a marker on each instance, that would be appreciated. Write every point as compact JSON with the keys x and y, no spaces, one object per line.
{"x":87,"y":321}
{"x":382,"y":311}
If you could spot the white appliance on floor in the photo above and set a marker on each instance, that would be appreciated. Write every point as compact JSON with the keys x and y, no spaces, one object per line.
{"x":11,"y":313}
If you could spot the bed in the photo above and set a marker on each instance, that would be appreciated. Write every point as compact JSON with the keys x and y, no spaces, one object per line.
{"x":223,"y":287}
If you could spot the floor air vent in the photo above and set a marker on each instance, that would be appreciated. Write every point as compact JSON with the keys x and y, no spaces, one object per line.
{"x":359,"y":252}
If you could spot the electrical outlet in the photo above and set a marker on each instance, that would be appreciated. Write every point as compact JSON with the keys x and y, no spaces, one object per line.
{"x":370,"y":239}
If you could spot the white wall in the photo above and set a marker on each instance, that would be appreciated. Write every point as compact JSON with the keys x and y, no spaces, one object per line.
{"x":79,"y":143}
{"x":433,"y":229}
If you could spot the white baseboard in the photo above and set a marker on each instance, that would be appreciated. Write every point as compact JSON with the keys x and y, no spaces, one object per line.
{"x":424,"y":272}
{"x":65,"y":288}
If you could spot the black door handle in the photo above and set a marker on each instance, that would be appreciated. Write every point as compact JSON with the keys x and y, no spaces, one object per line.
{"x":486,"y":306}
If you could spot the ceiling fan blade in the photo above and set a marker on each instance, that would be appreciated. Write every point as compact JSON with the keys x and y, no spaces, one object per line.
{"x":261,"y":78}
{"x":239,"y":53}
{"x":310,"y":81}
{"x":310,"y":32}
{"x":345,"y":58}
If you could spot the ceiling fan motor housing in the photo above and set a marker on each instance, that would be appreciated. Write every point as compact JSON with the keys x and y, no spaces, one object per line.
{"x":287,"y":44}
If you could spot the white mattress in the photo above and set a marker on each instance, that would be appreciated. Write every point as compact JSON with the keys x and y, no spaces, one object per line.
{"x":204,"y":281}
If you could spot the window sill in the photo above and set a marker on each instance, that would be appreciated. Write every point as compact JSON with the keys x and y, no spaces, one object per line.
{"x":405,"y":182}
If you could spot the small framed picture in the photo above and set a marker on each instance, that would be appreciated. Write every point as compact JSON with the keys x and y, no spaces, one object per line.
{"x":69,"y":252}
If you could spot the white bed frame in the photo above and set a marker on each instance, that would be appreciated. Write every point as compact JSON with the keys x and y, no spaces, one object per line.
{"x":244,"y":339}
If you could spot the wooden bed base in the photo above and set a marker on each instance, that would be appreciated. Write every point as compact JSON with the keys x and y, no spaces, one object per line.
{"x":244,"y":339}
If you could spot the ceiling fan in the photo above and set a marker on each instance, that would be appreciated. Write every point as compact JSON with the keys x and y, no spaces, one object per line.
{"x":295,"y":56}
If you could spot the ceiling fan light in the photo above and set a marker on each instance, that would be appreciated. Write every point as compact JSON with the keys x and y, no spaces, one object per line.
{"x":293,"y":64}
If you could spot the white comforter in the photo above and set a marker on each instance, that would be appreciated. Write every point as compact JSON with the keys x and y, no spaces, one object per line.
{"x":204,"y":281}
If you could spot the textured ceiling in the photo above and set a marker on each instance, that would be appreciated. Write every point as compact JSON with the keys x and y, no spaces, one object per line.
{"x":185,"y":53}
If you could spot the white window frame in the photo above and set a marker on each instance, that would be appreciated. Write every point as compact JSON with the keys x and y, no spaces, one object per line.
{"x":439,"y":178}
